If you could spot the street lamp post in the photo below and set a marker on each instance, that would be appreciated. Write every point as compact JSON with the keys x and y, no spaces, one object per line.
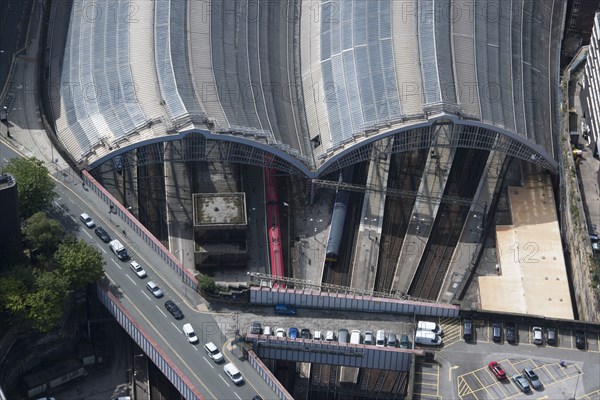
{"x":6,"y":116}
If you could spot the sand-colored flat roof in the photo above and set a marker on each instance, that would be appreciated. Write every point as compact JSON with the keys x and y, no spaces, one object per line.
{"x":532,"y":276}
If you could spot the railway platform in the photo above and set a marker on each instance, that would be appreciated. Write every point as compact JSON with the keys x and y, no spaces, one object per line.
{"x":424,"y":212}
{"x":366,"y":254}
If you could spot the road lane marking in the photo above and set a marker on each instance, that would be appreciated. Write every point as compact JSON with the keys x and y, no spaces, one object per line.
{"x":100,"y":247}
{"x":161,"y":311}
{"x":90,"y":236}
{"x":181,"y":333}
{"x":144,"y":293}
{"x":118,"y":266}
{"x":132,"y":281}
{"x":236,"y":395}
{"x":224,"y":381}
{"x":208,"y":362}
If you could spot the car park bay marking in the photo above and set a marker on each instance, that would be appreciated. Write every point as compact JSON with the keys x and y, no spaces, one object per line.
{"x":131,"y":279}
{"x":223,"y":379}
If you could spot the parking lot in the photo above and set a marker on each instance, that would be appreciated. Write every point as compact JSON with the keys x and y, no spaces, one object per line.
{"x":482,"y":384}
{"x":461,"y":369}
{"x":565,"y":337}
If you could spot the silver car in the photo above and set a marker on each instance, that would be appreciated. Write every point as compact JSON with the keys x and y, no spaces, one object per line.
{"x":538,"y":336}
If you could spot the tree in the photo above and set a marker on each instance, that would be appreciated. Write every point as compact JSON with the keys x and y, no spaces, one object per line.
{"x":79,"y":262}
{"x":12,"y":295}
{"x":44,"y":306}
{"x":35,"y":187}
{"x":43,"y":233}
{"x":207,"y":284}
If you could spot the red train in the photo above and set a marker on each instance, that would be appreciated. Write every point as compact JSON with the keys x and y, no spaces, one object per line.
{"x":275,"y":249}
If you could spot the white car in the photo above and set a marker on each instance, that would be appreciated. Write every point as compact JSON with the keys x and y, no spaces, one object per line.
{"x":137,"y":268}
{"x":87,"y":220}
{"x":190,"y":334}
{"x":538,"y":336}
{"x":233,"y":373}
{"x":154,"y":289}
{"x":279,"y":332}
{"x":213,"y":352}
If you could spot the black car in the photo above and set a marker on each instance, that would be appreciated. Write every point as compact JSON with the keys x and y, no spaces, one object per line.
{"x":305,"y":333}
{"x":173,"y":309}
{"x":467,"y":330}
{"x":496,"y":332}
{"x":101,"y":233}
{"x":511,"y":333}
{"x":580,"y":340}
{"x":256,"y":328}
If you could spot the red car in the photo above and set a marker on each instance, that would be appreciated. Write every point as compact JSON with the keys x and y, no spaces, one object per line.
{"x":497,"y":370}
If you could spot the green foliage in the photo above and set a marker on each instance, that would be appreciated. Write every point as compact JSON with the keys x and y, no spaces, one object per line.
{"x":45,"y":305}
{"x":12,"y":294}
{"x":43,"y":233}
{"x":35,"y":187}
{"x":79,"y":262}
{"x":207,"y":284}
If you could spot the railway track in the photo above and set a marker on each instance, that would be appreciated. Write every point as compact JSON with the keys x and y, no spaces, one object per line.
{"x":447,"y":227}
{"x":338,"y":273}
{"x":406,"y":170}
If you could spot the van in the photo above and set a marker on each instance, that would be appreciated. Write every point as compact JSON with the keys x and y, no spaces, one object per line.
{"x":355,"y":336}
{"x":267,"y":331}
{"x":428,"y":338}
{"x":467,"y":330}
{"x":429,"y":326}
{"x":189,"y":333}
{"x":380,"y":338}
{"x":213,"y":352}
{"x":343,"y":336}
{"x":285,"y":309}
{"x":233,"y":373}
{"x":120,"y":250}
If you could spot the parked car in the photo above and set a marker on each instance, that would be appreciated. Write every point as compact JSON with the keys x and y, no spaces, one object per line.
{"x":233,"y":373}
{"x":256,"y":328}
{"x":293,"y":333}
{"x":497,"y":370}
{"x":173,"y":309}
{"x":521,"y":383}
{"x":380,"y":338}
{"x":212,"y":351}
{"x":329,"y":336}
{"x":189,"y":333}
{"x":102,"y":234}
{"x":392,"y":341}
{"x":532,"y":377}
{"x":137,"y":268}
{"x":404,"y":342}
{"x":305,"y":333}
{"x":496,"y":332}
{"x":467,"y":330}
{"x":154,"y":289}
{"x":511,"y":333}
{"x":551,"y":336}
{"x":580,"y":341}
{"x":318,"y":335}
{"x":343,"y":336}
{"x":538,"y":337}
{"x":267,"y":331}
{"x":279,"y":332}
{"x":87,"y":220}
{"x":285,"y":309}
{"x":368,"y":338}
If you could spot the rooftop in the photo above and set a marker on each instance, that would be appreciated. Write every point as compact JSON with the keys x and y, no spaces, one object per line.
{"x":219,"y":209}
